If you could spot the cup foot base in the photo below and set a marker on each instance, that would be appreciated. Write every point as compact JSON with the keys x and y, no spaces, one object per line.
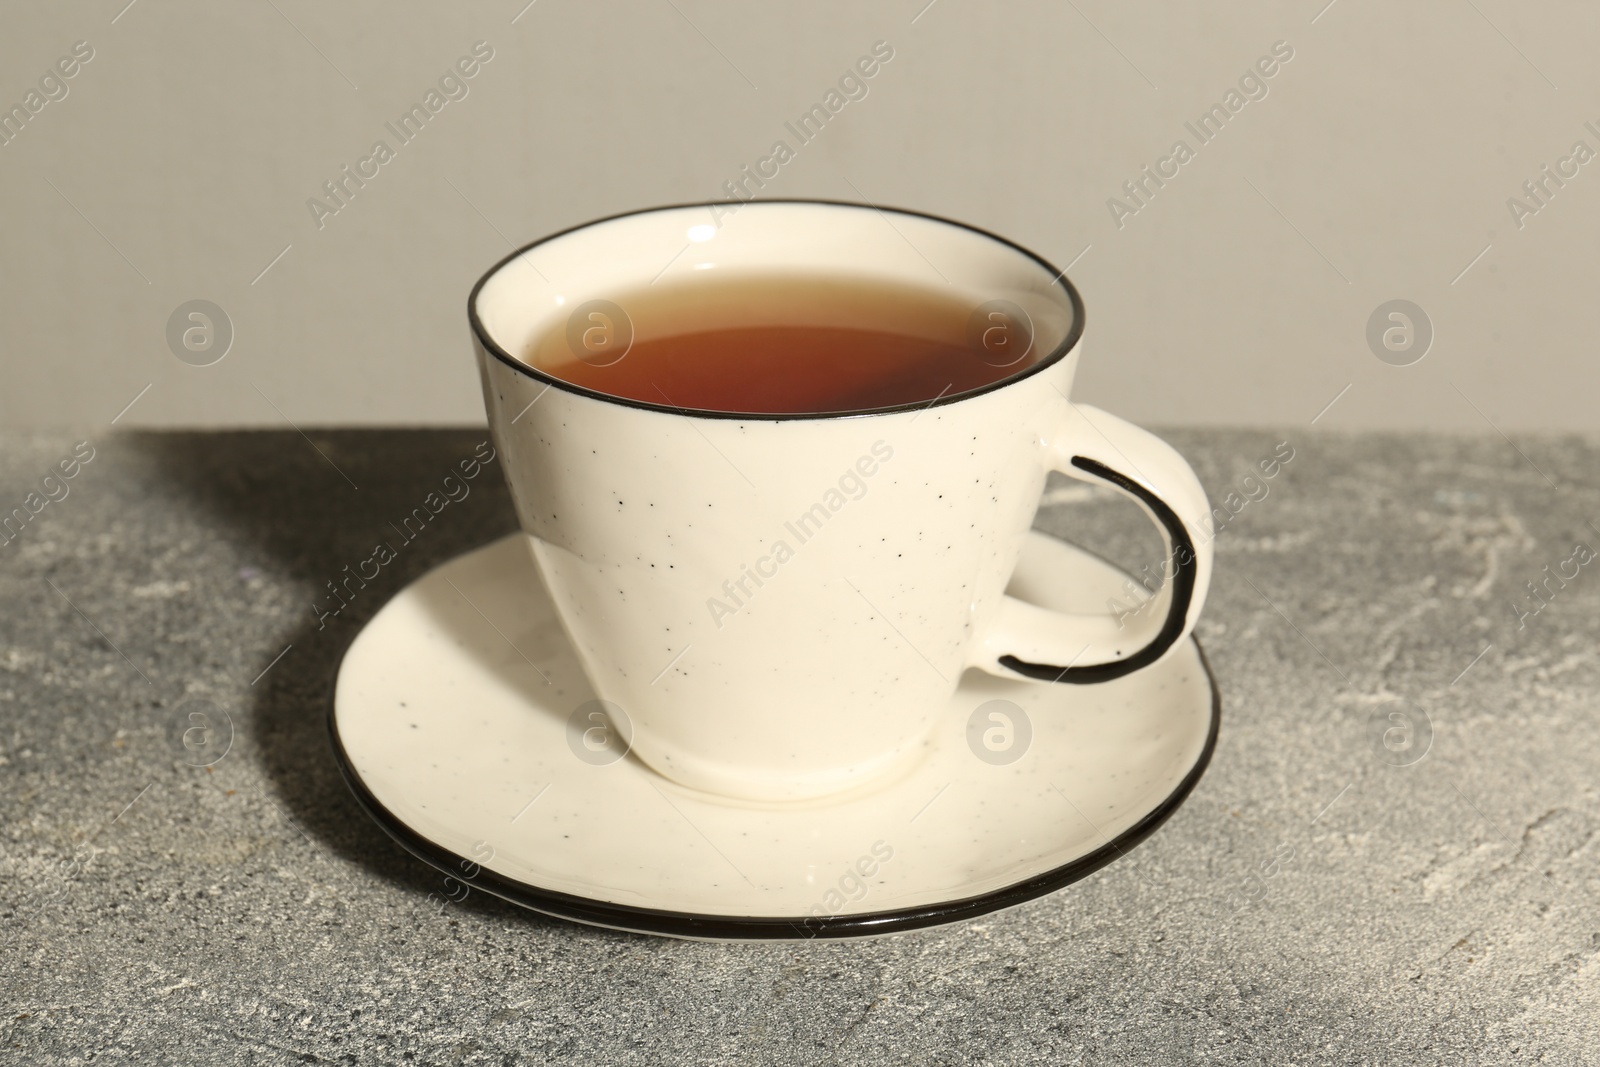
{"x":753,"y":789}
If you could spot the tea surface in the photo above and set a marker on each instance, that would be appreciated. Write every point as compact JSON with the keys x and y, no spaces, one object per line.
{"x":785,"y":344}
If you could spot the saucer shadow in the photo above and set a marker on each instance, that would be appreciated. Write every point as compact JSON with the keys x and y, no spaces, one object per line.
{"x":302,"y":509}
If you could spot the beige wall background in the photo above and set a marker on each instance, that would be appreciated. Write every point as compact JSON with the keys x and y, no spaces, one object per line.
{"x":1377,"y":166}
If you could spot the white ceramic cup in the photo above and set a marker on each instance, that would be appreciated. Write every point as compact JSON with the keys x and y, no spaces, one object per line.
{"x":783,"y":605}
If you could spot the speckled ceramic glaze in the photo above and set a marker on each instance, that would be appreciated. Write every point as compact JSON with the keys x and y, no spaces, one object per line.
{"x":453,"y":720}
{"x":781,"y":605}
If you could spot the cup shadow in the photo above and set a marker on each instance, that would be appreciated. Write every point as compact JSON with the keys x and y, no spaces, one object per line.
{"x":309,"y":507}
{"x":500,"y":615}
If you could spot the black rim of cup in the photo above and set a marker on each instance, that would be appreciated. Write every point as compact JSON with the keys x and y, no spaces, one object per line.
{"x":1058,"y":278}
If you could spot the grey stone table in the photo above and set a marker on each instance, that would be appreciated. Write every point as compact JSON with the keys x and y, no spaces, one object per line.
{"x":1393,"y":857}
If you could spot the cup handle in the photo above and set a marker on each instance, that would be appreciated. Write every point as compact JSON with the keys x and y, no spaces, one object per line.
{"x":1051,"y":646}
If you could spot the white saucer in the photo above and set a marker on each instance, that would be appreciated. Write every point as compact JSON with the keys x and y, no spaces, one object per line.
{"x":452,"y":740}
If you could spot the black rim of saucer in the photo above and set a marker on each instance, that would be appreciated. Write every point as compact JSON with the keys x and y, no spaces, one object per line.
{"x":592,"y":912}
{"x":1056,"y":354}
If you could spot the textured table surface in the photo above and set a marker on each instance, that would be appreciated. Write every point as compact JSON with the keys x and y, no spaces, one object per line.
{"x":1393,"y":857}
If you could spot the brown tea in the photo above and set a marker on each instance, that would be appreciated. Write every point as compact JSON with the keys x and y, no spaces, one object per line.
{"x":786,"y":343}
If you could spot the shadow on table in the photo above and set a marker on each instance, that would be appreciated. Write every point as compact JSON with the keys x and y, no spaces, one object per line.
{"x":309,"y":508}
